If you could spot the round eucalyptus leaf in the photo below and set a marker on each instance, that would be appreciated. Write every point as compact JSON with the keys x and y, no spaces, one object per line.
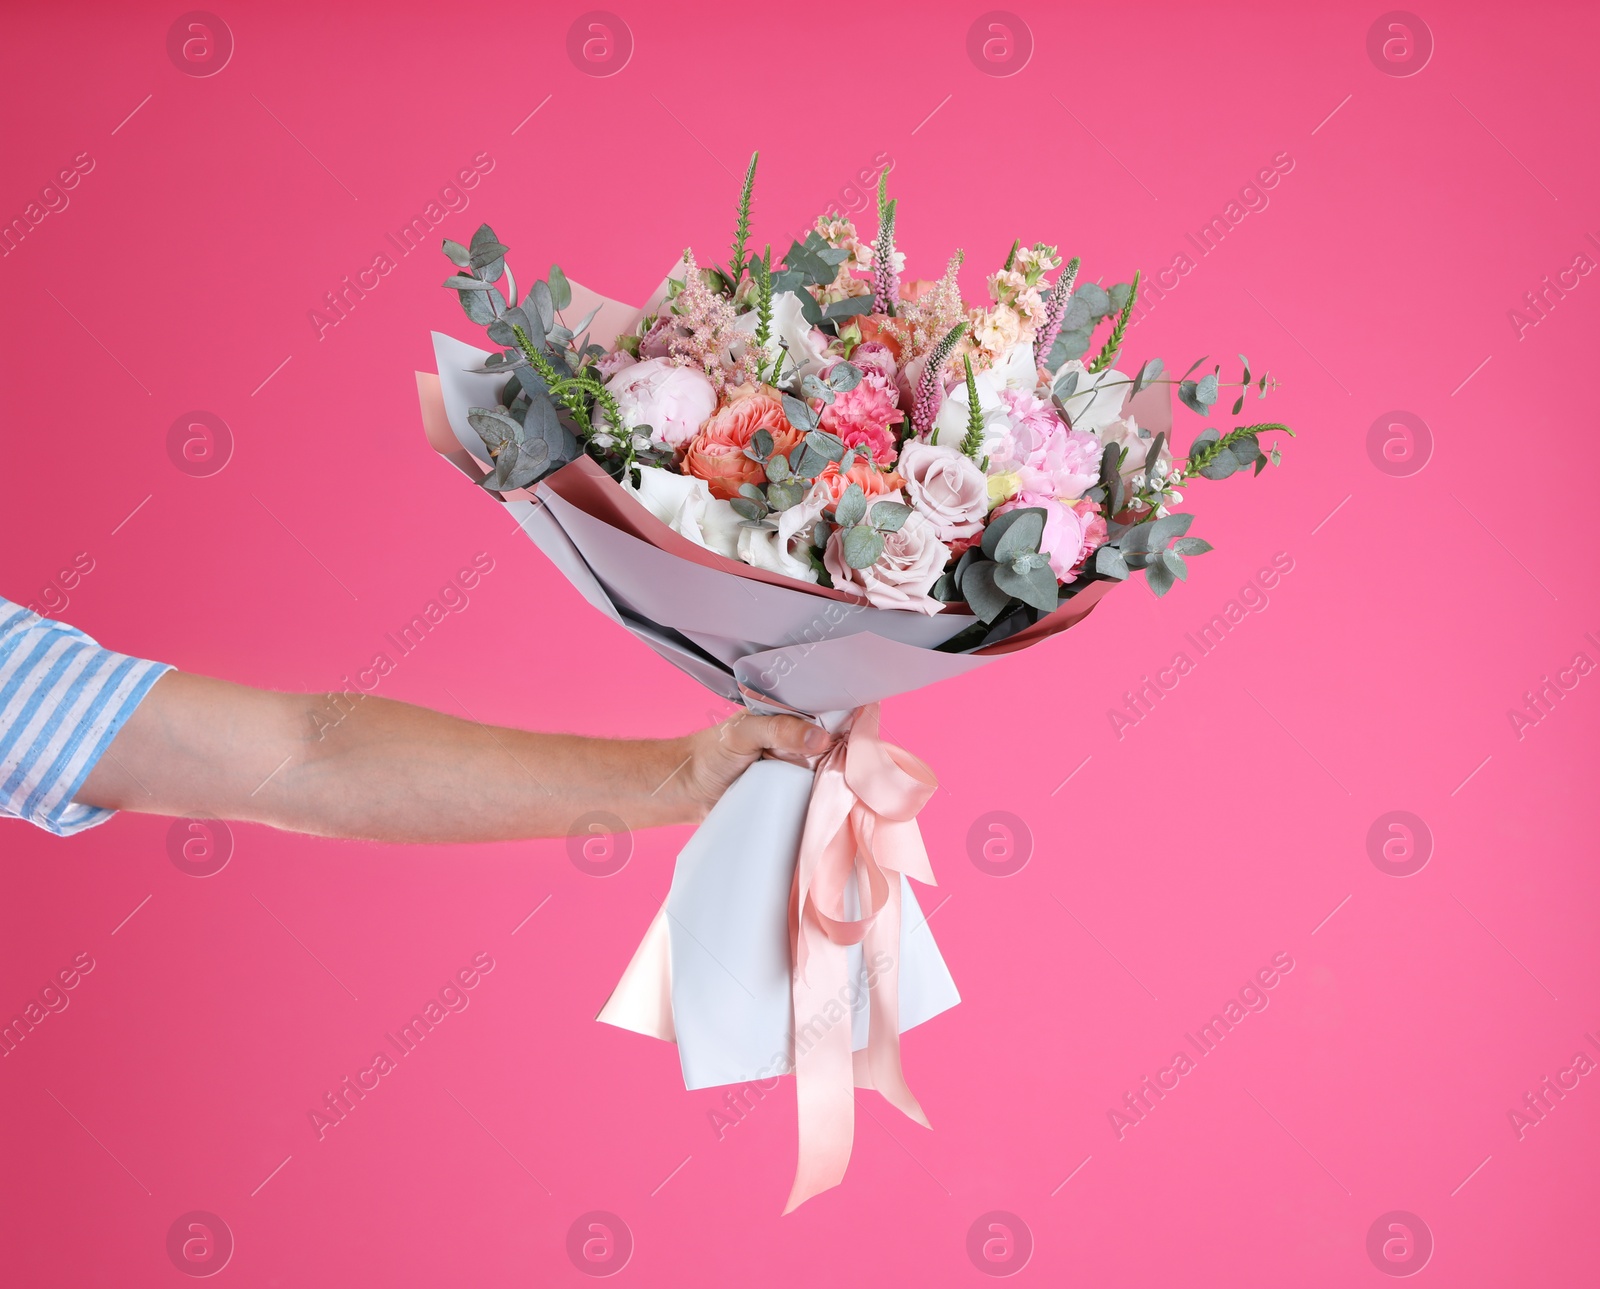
{"x":862,"y":546}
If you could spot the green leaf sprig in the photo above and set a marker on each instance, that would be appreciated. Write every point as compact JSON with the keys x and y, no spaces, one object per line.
{"x":741,"y":231}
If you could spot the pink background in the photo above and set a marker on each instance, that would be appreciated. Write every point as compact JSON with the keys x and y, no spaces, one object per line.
{"x":1221,"y":830}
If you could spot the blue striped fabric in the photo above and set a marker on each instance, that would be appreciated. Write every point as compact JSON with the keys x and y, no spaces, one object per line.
{"x":62,"y":700}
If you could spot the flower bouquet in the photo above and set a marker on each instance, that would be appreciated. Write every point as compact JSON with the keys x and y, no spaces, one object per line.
{"x":812,"y":485}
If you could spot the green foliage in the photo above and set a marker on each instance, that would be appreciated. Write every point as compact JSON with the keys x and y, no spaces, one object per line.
{"x":1216,"y":456}
{"x":1006,"y":568}
{"x":1198,"y":396}
{"x":552,"y":391}
{"x":1108,"y":352}
{"x":809,"y":263}
{"x":973,"y":443}
{"x":761,"y":275}
{"x":741,"y":233}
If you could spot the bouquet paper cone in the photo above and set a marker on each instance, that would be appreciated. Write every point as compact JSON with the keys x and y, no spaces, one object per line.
{"x":722,"y":968}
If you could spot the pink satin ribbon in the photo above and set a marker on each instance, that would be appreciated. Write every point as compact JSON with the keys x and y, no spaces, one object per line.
{"x":861,"y":821}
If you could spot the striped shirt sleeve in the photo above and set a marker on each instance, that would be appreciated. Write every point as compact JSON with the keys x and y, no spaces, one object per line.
{"x":62,"y":700}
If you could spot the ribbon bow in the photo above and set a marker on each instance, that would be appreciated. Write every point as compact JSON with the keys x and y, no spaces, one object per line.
{"x":861,"y":822}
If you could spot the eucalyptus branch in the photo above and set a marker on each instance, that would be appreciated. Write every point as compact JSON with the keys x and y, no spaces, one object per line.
{"x":574,"y":392}
{"x":1201,"y":457}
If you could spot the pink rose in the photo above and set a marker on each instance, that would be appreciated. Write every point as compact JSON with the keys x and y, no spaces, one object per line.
{"x":875,"y":356}
{"x":657,"y":342}
{"x":862,"y":417}
{"x":608,"y":365}
{"x":673,"y":401}
{"x":912,"y":560}
{"x":1064,"y":531}
{"x":1051,"y":459}
{"x":947,"y":487}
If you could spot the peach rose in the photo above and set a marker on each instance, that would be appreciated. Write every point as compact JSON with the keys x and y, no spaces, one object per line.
{"x":716,"y":453}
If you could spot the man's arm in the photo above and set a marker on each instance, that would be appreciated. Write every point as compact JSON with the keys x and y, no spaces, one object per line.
{"x":389,"y":771}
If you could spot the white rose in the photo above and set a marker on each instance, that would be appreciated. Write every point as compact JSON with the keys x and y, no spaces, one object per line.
{"x":767,"y":548}
{"x":673,"y":401}
{"x":947,"y":487}
{"x":950,"y":425}
{"x":1099,"y":397}
{"x":912,"y":560}
{"x":685,"y":505}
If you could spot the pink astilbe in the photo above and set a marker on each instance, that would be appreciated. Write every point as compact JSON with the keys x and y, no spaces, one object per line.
{"x":1045,"y":339}
{"x":705,"y":331}
{"x":922,"y":322}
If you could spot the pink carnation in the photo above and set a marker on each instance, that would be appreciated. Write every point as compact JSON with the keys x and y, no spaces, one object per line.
{"x":862,"y":417}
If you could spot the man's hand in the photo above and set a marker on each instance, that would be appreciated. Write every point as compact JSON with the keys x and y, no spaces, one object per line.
{"x":387,"y":771}
{"x":720,"y":754}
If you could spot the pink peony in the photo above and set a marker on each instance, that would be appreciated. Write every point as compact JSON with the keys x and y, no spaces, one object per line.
{"x":862,"y":417}
{"x":1094,"y":534}
{"x":1064,"y":531}
{"x":1050,"y":459}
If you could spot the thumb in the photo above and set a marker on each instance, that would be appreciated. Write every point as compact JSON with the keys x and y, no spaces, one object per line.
{"x":748,"y":734}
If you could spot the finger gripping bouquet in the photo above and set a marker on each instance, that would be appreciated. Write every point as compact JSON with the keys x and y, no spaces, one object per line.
{"x":812,"y":485}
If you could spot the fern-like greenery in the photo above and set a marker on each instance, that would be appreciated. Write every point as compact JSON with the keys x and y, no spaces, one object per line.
{"x":973,"y":443}
{"x":761,"y":272}
{"x":741,"y":232}
{"x":1108,"y":352}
